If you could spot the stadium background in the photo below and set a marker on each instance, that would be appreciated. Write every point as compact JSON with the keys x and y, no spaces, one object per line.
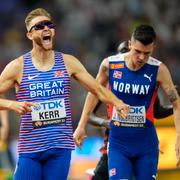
{"x":91,"y":30}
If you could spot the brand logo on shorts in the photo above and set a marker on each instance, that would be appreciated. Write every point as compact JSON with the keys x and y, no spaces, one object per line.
{"x":112,"y":172}
{"x":153,"y":176}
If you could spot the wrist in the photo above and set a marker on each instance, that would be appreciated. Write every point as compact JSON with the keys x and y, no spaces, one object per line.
{"x":118,"y":102}
{"x":81,"y":125}
{"x":9,"y":105}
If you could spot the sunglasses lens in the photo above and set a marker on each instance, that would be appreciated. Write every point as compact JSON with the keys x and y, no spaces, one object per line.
{"x":49,"y":25}
{"x":41,"y":25}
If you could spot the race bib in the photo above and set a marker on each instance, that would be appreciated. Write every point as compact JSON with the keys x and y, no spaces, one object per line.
{"x":135,"y":118}
{"x":48,"y":113}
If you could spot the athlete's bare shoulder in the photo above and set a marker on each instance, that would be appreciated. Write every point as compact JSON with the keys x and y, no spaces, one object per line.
{"x":17,"y":63}
{"x":72,"y":64}
{"x":163,"y":73}
{"x":105,"y":63}
{"x":13,"y":69}
{"x":11,"y":75}
{"x":104,"y":67}
{"x":69,"y":58}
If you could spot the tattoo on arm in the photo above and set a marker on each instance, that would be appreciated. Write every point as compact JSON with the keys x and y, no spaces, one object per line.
{"x":172,"y":96}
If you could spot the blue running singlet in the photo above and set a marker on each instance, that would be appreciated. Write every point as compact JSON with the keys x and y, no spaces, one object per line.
{"x":133,"y":142}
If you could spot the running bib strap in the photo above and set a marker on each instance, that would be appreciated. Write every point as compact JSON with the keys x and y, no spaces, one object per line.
{"x":49,"y":113}
{"x":135,"y":118}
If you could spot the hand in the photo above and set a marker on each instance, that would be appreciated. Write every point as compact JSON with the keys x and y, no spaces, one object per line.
{"x":79,"y":136}
{"x":21,"y":107}
{"x":122,"y":109}
{"x":177,"y":148}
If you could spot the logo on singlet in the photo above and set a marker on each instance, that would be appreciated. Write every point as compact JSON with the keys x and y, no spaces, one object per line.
{"x":59,"y":73}
{"x":32,"y":77}
{"x":148,"y":77}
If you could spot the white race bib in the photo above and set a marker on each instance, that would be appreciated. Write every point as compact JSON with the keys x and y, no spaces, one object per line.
{"x":49,"y":112}
{"x":135,"y":118}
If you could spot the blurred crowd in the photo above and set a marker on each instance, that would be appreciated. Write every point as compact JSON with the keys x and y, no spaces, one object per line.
{"x":91,"y":30}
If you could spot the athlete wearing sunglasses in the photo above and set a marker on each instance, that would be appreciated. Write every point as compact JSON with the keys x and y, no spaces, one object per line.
{"x":42,"y":76}
{"x":41,"y":25}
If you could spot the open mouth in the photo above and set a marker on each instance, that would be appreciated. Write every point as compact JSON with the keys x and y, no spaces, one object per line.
{"x":46,"y":39}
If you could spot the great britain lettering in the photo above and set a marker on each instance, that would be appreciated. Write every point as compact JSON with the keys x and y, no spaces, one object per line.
{"x":48,"y":88}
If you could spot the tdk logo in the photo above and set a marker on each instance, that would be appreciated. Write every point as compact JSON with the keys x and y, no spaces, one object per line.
{"x":49,"y":105}
{"x":52,"y":105}
{"x":136,"y":110}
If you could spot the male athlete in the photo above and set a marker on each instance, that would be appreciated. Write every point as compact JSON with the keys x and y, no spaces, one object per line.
{"x":135,"y":77}
{"x":160,"y":111}
{"x":42,"y":81}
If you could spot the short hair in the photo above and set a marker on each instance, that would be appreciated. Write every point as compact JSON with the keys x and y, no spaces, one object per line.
{"x":145,"y":34}
{"x":123,"y":47}
{"x":34,"y":13}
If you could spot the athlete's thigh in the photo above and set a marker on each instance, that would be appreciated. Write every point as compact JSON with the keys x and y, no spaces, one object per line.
{"x":28,"y":169}
{"x":57,"y":167}
{"x":146,"y":166}
{"x":119,"y":165}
